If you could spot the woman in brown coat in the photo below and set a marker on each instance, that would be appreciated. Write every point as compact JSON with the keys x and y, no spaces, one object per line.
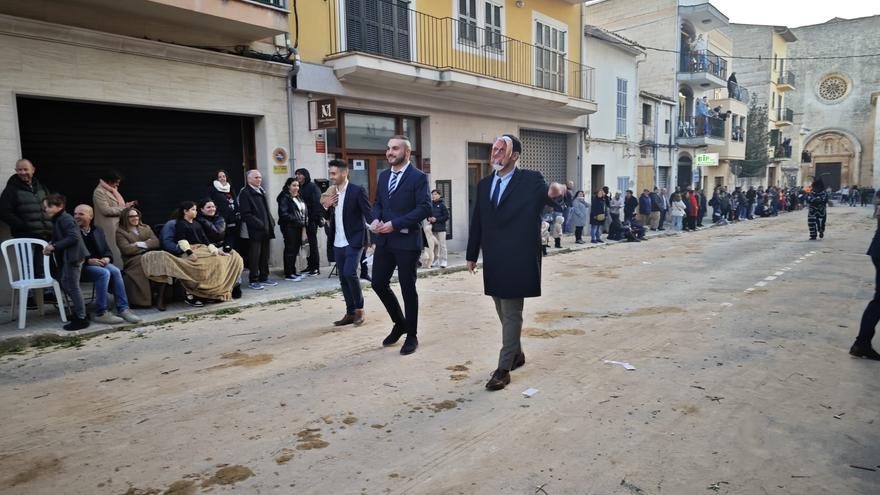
{"x":134,"y":239}
{"x":108,"y":205}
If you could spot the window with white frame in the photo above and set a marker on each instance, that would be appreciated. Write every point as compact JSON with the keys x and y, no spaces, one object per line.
{"x":621,"y":106}
{"x":481,"y":23}
{"x":550,"y":55}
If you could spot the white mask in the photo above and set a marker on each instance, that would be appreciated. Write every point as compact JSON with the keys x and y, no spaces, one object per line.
{"x":497,"y":167}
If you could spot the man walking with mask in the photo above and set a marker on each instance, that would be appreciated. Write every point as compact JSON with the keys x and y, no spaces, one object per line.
{"x":506,"y":227}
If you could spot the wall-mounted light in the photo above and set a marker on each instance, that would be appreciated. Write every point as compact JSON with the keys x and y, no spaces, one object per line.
{"x":520,"y":3}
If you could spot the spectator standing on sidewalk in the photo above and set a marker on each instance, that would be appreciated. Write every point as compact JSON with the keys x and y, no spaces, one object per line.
{"x":701,"y":201}
{"x":578,"y":218}
{"x":645,"y":208}
{"x":630,"y":206}
{"x":258,"y":228}
{"x":108,"y":203}
{"x":655,"y":209}
{"x":226,"y":201}
{"x":311,"y":195}
{"x":70,"y":252}
{"x":677,"y":211}
{"x":293,"y":217}
{"x":598,"y":212}
{"x":439,"y":217}
{"x":693,"y":204}
{"x":568,"y":204}
{"x":664,"y":208}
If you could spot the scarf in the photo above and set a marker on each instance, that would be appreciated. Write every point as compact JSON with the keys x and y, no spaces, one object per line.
{"x":114,"y":191}
{"x":220,"y":187}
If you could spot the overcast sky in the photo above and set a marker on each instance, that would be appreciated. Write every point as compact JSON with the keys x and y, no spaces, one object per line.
{"x":794,"y":13}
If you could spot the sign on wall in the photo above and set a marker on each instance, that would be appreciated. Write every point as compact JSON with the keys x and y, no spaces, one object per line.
{"x":707,"y":159}
{"x":320,"y":143}
{"x":322,"y":114}
{"x":279,"y":157}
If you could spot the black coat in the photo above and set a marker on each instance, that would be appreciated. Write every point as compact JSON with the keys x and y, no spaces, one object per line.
{"x":289,"y":215}
{"x":191,"y":232}
{"x":227,"y":205}
{"x":874,"y":248}
{"x":21,"y":207}
{"x":67,"y":240}
{"x":509,"y":235}
{"x":630,"y":205}
{"x":214,"y":228}
{"x":441,"y":214}
{"x":311,"y":196}
{"x":255,"y":214}
{"x":96,"y":243}
{"x":597,"y":208}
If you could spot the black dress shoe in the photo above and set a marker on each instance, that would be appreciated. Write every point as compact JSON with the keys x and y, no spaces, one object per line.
{"x":864,"y":352}
{"x":396,"y":332}
{"x":76,"y":324}
{"x":409,"y":345}
{"x":366,"y":276}
{"x":500,"y":379}
{"x":519,"y":361}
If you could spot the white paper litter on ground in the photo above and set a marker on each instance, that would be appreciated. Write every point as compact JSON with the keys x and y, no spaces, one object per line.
{"x":529,"y":392}
{"x":626,"y":366}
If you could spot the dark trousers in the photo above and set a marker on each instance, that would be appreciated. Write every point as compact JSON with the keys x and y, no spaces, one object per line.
{"x":578,"y":233}
{"x":258,"y":260}
{"x":348,"y":259}
{"x":692,"y":223}
{"x":662,"y":219}
{"x":872,"y":313}
{"x":385,"y":260}
{"x":292,"y":242}
{"x":314,"y":260}
{"x":69,"y":280}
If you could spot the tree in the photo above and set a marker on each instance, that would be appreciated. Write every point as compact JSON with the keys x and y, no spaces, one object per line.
{"x":757,"y":143}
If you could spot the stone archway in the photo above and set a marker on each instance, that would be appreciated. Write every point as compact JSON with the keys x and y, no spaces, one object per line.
{"x":835,"y":149}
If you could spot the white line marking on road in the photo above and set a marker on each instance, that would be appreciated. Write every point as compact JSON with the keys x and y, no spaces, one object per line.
{"x":726,"y":304}
{"x":812,"y":252}
{"x":750,"y":289}
{"x":760,"y":284}
{"x":798,"y":261}
{"x":787,"y":268}
{"x":778,"y":273}
{"x":770,"y":278}
{"x":808,"y":254}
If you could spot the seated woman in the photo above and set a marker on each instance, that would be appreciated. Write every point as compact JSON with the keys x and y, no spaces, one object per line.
{"x":210,"y":266}
{"x":134,"y":239}
{"x":212,"y":224}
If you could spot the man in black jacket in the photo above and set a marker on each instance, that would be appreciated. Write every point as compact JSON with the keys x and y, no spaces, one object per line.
{"x":21,"y":207}
{"x":258,"y":228}
{"x":439,"y":217}
{"x":506,"y":226}
{"x":70,"y":252}
{"x":311,"y":195}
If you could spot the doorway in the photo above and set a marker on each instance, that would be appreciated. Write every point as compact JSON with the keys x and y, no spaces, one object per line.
{"x":685,"y":172}
{"x":830,"y":174}
{"x":364,"y":171}
{"x":597,"y":177}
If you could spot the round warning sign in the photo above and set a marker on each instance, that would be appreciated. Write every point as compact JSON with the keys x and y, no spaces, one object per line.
{"x":279,"y":154}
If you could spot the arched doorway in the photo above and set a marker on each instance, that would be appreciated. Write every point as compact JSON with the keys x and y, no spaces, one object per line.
{"x":835,"y":156}
{"x":685,"y":172}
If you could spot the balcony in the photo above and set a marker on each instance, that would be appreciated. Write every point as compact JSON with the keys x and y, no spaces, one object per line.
{"x":785,"y":81}
{"x":703,"y":69}
{"x":402,"y":49}
{"x":221,"y":23}
{"x":782,"y":152}
{"x":733,"y":147}
{"x":738,"y":93}
{"x":701,"y":131}
{"x":784,"y":117}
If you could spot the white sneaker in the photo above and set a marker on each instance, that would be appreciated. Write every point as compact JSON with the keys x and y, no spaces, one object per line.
{"x":442,"y":265}
{"x":130,"y":317}
{"x":108,"y":318}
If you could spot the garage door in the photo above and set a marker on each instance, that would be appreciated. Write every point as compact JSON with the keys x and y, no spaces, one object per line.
{"x":165,"y":156}
{"x":546,"y":152}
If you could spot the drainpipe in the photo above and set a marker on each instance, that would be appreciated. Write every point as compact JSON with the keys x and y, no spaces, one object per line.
{"x":583,"y":130}
{"x":291,"y":86}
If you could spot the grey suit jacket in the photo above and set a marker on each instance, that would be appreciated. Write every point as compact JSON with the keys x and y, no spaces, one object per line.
{"x":67,"y":239}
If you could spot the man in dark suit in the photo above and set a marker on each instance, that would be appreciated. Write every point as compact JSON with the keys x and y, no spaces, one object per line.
{"x":402,"y":202}
{"x":258,"y":227}
{"x":506,"y":226}
{"x":348,"y":210}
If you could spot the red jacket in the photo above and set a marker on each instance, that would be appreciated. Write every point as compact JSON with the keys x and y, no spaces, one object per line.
{"x":695,"y":207}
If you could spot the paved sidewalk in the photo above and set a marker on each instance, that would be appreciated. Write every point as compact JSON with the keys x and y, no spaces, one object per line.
{"x":50,"y":324}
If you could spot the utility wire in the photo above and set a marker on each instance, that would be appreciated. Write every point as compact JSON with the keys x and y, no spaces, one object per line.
{"x":741,"y":57}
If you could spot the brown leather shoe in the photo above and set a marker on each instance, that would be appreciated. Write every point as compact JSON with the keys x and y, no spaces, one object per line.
{"x":358,"y":318}
{"x":346,"y":320}
{"x":500,"y":379}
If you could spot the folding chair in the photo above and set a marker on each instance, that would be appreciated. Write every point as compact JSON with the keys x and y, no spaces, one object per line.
{"x":24,"y":278}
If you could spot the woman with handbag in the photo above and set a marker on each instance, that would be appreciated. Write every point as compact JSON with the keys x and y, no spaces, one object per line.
{"x":293,"y":218}
{"x":597,"y":217}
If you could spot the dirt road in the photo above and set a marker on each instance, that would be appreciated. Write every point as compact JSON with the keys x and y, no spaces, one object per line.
{"x":739,"y":336}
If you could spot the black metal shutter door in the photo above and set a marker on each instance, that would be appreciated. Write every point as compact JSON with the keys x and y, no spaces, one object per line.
{"x":164,"y":156}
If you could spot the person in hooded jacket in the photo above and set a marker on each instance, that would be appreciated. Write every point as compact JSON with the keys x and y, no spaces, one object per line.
{"x":311,"y":195}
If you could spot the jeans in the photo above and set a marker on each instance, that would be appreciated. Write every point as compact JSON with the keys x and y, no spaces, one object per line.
{"x":595,"y":232}
{"x":676,"y":223}
{"x":69,"y":279}
{"x":104,"y":278}
{"x":348,"y":260}
{"x":752,"y":210}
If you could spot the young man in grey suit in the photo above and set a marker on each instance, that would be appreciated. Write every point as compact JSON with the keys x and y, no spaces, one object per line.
{"x":402,"y":202}
{"x":506,"y":226}
{"x":70,"y":252}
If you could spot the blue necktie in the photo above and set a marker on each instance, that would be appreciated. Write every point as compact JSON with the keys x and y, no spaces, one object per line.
{"x":393,"y":185}
{"x":496,"y":192}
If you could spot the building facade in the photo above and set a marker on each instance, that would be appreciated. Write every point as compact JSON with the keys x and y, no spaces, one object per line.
{"x":86,"y":86}
{"x":835,"y":103}
{"x":452,"y":75}
{"x":612,"y":144}
{"x":689,"y":57}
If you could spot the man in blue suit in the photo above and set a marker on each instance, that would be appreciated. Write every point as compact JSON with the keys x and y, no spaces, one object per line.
{"x":506,"y":227}
{"x":402,"y":202}
{"x":348,"y":210}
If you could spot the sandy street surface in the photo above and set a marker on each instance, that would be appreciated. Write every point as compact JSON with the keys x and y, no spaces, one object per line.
{"x":734,"y":392}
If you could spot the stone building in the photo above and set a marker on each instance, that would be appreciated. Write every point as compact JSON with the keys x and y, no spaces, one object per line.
{"x":835,"y":105}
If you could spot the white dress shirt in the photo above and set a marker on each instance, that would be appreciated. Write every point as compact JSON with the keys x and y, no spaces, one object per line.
{"x":340,"y":240}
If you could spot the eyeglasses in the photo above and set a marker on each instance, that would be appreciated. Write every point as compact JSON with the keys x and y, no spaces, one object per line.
{"x":134,"y":216}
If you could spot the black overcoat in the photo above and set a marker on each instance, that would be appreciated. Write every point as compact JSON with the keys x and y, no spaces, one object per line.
{"x":509,"y":235}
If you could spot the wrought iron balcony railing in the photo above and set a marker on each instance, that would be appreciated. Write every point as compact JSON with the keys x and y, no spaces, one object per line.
{"x":699,"y":126}
{"x":786,"y":77}
{"x":784,"y":115}
{"x":737,"y":92}
{"x":388,"y":28}
{"x":281,"y":4}
{"x":704,"y":61}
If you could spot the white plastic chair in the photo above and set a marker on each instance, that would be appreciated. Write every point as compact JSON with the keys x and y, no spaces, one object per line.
{"x":25,"y":276}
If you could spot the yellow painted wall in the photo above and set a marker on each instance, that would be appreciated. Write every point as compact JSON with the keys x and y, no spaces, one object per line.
{"x":317,"y":32}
